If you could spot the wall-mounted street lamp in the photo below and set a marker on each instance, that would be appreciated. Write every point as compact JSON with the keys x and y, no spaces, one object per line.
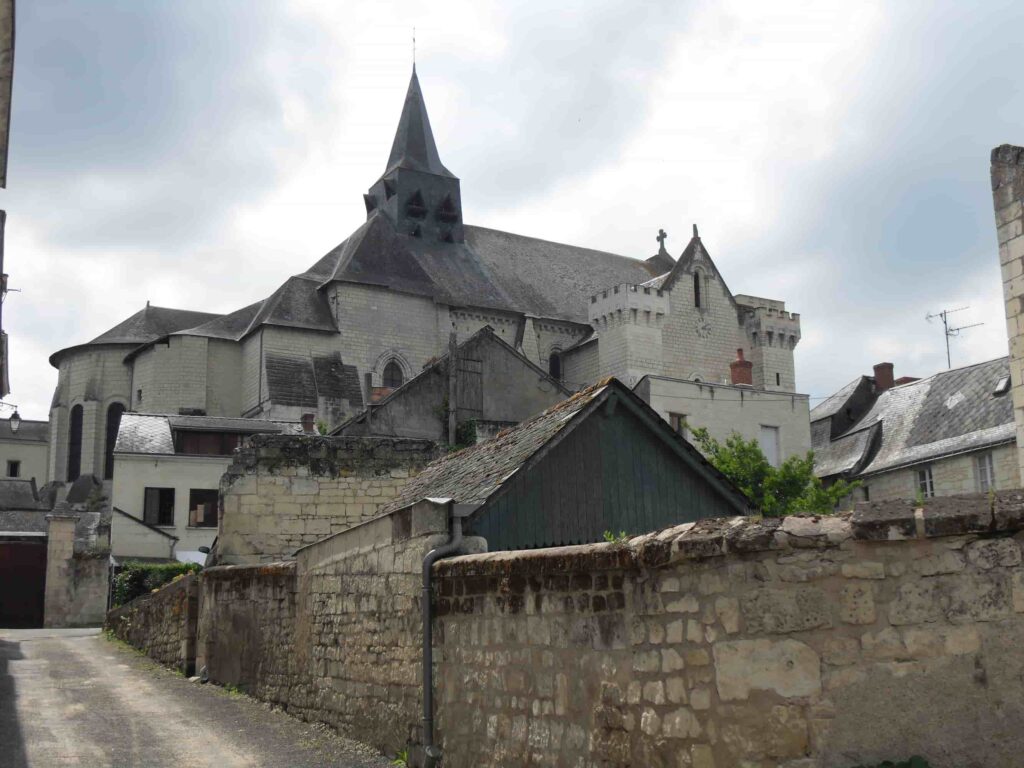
{"x":15,"y":418}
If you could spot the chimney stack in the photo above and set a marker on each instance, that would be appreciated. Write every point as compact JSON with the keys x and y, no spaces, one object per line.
{"x":741,"y":371}
{"x":883,"y":377}
{"x":309,"y":423}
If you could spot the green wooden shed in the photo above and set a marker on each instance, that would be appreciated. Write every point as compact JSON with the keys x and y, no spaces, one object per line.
{"x":602,"y":460}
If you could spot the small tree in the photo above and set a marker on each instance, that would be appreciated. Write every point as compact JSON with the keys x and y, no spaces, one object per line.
{"x":791,"y":488}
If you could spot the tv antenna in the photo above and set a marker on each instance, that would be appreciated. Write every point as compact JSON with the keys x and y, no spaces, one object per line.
{"x":944,"y":314}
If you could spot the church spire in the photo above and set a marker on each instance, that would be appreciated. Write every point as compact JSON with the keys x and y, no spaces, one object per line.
{"x":416,"y":193}
{"x":414,"y":147}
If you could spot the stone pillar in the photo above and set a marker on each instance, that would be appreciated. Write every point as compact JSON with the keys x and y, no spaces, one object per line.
{"x":60,"y":549}
{"x":1007,"y":197}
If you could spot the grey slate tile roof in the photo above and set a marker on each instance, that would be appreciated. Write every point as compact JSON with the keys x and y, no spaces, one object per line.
{"x":150,"y":433}
{"x":947,"y":413}
{"x":151,"y":323}
{"x":231,"y":326}
{"x":18,"y":494}
{"x":147,"y":325}
{"x":30,"y":431}
{"x":834,"y":402}
{"x":25,"y":521}
{"x":845,"y":455}
{"x":414,"y":145}
{"x":473,"y":474}
{"x":547,"y":279}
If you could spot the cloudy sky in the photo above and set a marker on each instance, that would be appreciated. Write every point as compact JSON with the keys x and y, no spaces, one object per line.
{"x":834,"y":154}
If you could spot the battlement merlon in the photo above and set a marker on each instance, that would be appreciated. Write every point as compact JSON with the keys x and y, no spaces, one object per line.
{"x":628,"y":302}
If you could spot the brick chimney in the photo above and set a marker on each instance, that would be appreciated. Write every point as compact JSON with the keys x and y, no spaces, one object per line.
{"x":741,"y":371}
{"x":309,"y":423}
{"x":883,"y":377}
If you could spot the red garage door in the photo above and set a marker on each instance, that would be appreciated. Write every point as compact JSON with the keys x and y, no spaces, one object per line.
{"x":22,"y":583}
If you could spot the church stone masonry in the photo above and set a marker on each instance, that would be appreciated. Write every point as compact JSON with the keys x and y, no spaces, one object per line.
{"x":382,"y":304}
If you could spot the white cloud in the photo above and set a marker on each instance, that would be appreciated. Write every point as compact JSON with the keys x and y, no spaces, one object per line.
{"x":771,"y":125}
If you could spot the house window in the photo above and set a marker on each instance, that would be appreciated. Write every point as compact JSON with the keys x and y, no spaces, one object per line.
{"x":867,"y":492}
{"x":778,"y":379}
{"x":75,"y":444}
{"x":158,"y":506}
{"x":393,"y":376}
{"x":113,"y":424}
{"x":202,"y":508}
{"x":13,"y":468}
{"x":925,"y":483}
{"x":679,"y":425}
{"x":555,"y":365}
{"x":985,"y":471}
{"x":770,"y":444}
{"x":696,"y":289}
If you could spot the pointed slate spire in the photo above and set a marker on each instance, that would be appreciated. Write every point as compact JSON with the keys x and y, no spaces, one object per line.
{"x":414,"y":146}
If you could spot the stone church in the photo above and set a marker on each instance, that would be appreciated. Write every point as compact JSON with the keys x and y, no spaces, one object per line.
{"x":380,"y":306}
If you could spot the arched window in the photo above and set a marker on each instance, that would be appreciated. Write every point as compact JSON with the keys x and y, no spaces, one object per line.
{"x":555,"y":365}
{"x":75,"y":444}
{"x":113,"y":423}
{"x":393,"y":376}
{"x":696,"y":289}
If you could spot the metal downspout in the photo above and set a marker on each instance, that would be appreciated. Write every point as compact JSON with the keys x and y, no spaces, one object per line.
{"x":431,"y":752}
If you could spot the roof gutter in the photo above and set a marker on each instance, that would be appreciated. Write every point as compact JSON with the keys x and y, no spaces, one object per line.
{"x":456,"y":512}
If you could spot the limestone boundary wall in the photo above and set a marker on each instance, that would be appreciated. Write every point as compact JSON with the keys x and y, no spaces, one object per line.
{"x":794,"y":643}
{"x":161,"y":624}
{"x":283,"y":492}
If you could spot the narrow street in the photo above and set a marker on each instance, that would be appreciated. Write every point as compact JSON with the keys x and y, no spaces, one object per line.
{"x":73,"y":698}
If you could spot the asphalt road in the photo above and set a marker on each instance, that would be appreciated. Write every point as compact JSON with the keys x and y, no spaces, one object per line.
{"x":74,"y":698}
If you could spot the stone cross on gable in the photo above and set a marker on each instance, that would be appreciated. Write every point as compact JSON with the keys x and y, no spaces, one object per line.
{"x":661,"y":239}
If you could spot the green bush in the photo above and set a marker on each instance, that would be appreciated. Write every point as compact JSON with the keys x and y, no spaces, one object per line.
{"x":137,"y":579}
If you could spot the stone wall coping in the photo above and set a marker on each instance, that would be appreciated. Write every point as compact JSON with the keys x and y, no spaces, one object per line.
{"x":231,"y":572}
{"x":162,"y":592}
{"x":331,"y":456}
{"x":896,"y":520}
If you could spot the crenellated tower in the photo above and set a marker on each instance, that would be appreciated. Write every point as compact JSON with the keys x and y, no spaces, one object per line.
{"x":628,"y":321}
{"x":772,"y":334}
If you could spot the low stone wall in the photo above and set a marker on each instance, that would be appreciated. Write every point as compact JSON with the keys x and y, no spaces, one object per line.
{"x":283,"y":492}
{"x":799,"y":642}
{"x":791,"y":643}
{"x":161,"y":624}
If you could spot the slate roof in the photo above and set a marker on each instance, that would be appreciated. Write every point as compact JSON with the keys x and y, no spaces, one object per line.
{"x":232,"y":326}
{"x":836,"y":401}
{"x":17,"y":494}
{"x":29,"y":432}
{"x":23,"y":521}
{"x":948,"y":413}
{"x":414,"y":145}
{"x":150,"y":433}
{"x":151,"y":323}
{"x":147,"y":325}
{"x":475,"y":473}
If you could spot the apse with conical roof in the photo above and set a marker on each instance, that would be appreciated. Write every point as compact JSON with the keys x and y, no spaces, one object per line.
{"x":416,"y":192}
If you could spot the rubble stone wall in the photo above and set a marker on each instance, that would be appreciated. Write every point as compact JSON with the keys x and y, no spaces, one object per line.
{"x":285,"y":492}
{"x":246,"y":629}
{"x":805,"y":642}
{"x":161,"y":624}
{"x":794,"y":643}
